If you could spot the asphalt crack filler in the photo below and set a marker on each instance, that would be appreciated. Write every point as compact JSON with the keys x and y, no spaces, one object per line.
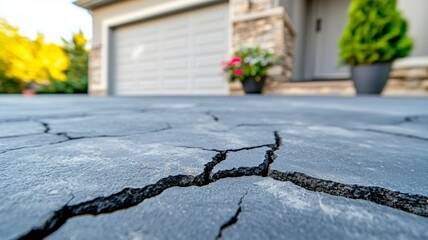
{"x":129,"y":197}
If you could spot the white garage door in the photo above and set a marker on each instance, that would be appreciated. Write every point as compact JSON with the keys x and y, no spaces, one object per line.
{"x":177,"y":54}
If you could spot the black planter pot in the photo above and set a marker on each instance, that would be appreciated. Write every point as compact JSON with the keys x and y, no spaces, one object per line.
{"x":370,"y":79}
{"x":252,"y":86}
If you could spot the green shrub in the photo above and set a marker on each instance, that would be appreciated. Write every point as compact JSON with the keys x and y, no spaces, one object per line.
{"x":77,"y":72}
{"x":375,"y":33}
{"x":10,"y":85}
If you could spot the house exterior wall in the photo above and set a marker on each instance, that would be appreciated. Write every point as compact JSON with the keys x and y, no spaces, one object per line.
{"x":95,"y":70}
{"x":415,"y":11}
{"x":263,"y":23}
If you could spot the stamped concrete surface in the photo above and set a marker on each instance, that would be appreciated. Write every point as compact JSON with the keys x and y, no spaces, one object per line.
{"x":256,"y":167}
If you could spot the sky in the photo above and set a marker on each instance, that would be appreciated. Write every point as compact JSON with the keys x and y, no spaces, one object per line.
{"x":53,"y":18}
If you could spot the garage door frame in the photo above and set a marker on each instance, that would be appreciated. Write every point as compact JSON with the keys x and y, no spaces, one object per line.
{"x":161,"y":10}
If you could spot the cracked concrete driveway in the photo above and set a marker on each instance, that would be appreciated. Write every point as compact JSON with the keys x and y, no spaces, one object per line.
{"x":255,"y":167}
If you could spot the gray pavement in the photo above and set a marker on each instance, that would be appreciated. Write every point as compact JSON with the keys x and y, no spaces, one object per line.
{"x":255,"y":167}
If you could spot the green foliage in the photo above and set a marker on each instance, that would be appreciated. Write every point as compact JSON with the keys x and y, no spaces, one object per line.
{"x":10,"y":85}
{"x":248,"y":62}
{"x":375,"y":33}
{"x":77,"y":73}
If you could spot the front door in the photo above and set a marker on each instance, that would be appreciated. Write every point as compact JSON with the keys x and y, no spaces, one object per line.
{"x":328,"y":20}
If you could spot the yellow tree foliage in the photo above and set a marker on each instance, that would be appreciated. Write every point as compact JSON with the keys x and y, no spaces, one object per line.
{"x":30,"y":61}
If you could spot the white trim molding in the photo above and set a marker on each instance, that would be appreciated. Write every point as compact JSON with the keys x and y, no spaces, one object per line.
{"x":135,"y":16}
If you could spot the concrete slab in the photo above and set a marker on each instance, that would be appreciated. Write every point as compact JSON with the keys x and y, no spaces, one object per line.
{"x":253,"y":167}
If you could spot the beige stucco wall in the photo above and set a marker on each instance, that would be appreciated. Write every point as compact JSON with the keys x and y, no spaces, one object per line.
{"x":116,"y":9}
{"x":416,"y":13}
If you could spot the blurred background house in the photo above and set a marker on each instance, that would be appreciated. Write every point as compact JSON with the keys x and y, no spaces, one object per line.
{"x":175,"y":46}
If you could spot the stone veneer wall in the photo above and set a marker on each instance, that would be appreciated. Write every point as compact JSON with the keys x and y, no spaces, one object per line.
{"x":263,"y":24}
{"x":409,"y":81}
{"x":242,"y":7}
{"x":95,"y":71}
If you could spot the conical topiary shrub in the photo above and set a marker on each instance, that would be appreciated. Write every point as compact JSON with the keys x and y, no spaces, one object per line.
{"x":375,"y":33}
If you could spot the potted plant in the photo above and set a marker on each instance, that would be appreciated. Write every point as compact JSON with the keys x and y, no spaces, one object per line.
{"x":249,"y":65}
{"x":374,"y":37}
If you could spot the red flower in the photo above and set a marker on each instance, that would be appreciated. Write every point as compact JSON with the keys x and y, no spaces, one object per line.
{"x":235,"y":60}
{"x":238,"y":72}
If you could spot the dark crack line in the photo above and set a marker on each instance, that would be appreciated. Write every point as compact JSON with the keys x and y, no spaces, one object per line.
{"x":412,"y":203}
{"x":129,"y":197}
{"x":70,"y":138}
{"x":9,"y":120}
{"x":29,"y":118}
{"x":45,"y":125}
{"x":407,"y":119}
{"x":21,"y":135}
{"x":46,"y":129}
{"x":260,"y":124}
{"x":233,"y":220}
{"x":392,"y":133}
{"x":229,"y":150}
{"x":213,"y":116}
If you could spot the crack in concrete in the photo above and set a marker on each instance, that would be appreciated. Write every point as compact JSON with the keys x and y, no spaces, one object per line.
{"x":393,"y":133}
{"x":17,"y":136}
{"x":407,"y":119}
{"x":45,"y":125}
{"x":233,"y":220}
{"x":411,"y":203}
{"x":29,"y":118}
{"x":70,"y":138}
{"x":214,"y":117}
{"x":129,"y":197}
{"x":227,"y":150}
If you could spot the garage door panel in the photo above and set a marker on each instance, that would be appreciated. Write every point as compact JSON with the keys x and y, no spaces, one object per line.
{"x":177,"y":42}
{"x":176,"y":83}
{"x":175,"y":63}
{"x":211,"y":14}
{"x":179,"y":21}
{"x":208,"y":71}
{"x":147,"y":39}
{"x":147,"y":66}
{"x":150,"y":85}
{"x":210,"y":38}
{"x":207,"y":83}
{"x":213,"y":48}
{"x":178,"y":54}
{"x":208,"y":59}
{"x":208,"y":28}
{"x":140,"y":74}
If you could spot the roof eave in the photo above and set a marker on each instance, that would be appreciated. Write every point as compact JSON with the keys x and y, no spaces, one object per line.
{"x":91,"y":4}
